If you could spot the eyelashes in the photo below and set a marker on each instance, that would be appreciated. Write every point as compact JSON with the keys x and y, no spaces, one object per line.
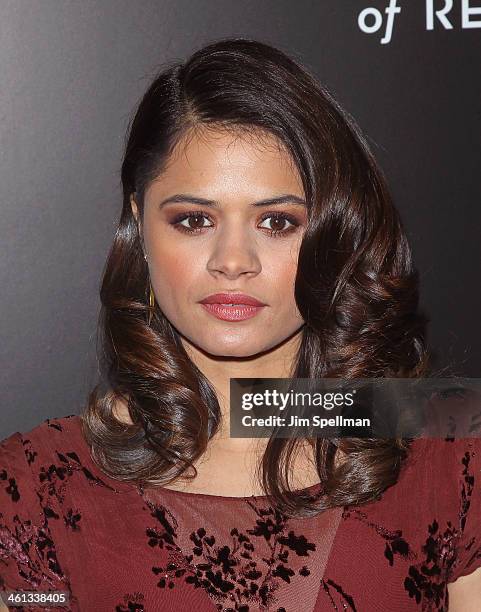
{"x":200,"y":216}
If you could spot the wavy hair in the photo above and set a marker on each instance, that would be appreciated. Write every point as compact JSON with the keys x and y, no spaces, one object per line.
{"x":356,"y":287}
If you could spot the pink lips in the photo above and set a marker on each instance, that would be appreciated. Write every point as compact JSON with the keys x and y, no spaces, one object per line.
{"x":232,"y":306}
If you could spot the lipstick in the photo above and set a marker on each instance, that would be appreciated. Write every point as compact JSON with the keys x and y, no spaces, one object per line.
{"x":232,"y":306}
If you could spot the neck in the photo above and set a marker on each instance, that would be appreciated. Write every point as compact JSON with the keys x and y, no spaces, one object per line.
{"x":275,"y":363}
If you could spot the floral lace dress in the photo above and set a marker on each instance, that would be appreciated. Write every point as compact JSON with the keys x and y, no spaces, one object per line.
{"x":67,"y":526}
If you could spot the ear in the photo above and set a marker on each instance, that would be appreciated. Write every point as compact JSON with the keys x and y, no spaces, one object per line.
{"x":135,"y":212}
{"x":133,"y":205}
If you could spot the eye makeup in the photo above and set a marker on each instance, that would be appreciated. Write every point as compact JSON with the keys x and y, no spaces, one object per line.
{"x":178,"y":222}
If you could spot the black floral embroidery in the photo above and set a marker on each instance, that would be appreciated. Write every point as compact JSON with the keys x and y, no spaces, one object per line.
{"x":132,"y":602}
{"x":12,"y":488}
{"x":32,"y":548}
{"x":54,"y":423}
{"x":229,"y":573}
{"x":54,"y":481}
{"x":395,"y":543}
{"x":29,"y":452}
{"x":347,"y":601}
{"x":427,"y":580}
{"x":72,"y":520}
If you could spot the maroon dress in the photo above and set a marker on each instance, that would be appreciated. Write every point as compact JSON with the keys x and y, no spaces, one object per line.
{"x":67,"y":526}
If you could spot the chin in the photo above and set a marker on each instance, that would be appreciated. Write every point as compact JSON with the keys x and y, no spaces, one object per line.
{"x":240,"y":350}
{"x":229,"y":347}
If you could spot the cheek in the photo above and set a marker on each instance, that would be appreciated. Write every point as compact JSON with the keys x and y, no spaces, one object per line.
{"x":173,"y":271}
{"x":282,"y":274}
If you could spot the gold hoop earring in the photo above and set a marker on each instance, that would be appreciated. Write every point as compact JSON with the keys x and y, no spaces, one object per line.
{"x":151,"y":301}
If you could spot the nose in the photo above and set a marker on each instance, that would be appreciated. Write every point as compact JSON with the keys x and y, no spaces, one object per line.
{"x":234,"y":252}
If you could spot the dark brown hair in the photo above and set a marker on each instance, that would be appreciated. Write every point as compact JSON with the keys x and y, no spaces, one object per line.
{"x":356,"y":286}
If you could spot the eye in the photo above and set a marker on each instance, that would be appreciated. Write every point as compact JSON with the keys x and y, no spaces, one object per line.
{"x":278,"y":226}
{"x":191,"y":222}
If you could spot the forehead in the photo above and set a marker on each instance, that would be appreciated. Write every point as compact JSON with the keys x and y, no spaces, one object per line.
{"x":212,"y":159}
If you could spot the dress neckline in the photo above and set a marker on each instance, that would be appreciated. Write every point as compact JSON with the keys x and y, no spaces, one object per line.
{"x":314,"y":490}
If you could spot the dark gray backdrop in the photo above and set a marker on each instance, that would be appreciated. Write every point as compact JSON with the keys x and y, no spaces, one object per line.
{"x":71,"y":73}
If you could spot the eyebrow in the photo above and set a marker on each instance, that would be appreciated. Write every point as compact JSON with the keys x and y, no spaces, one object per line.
{"x":181,"y":198}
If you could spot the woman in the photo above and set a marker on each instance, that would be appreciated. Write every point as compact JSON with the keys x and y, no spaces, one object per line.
{"x":244,"y":183}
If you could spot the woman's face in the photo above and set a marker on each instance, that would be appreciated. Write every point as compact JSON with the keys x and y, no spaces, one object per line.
{"x":225,"y":243}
